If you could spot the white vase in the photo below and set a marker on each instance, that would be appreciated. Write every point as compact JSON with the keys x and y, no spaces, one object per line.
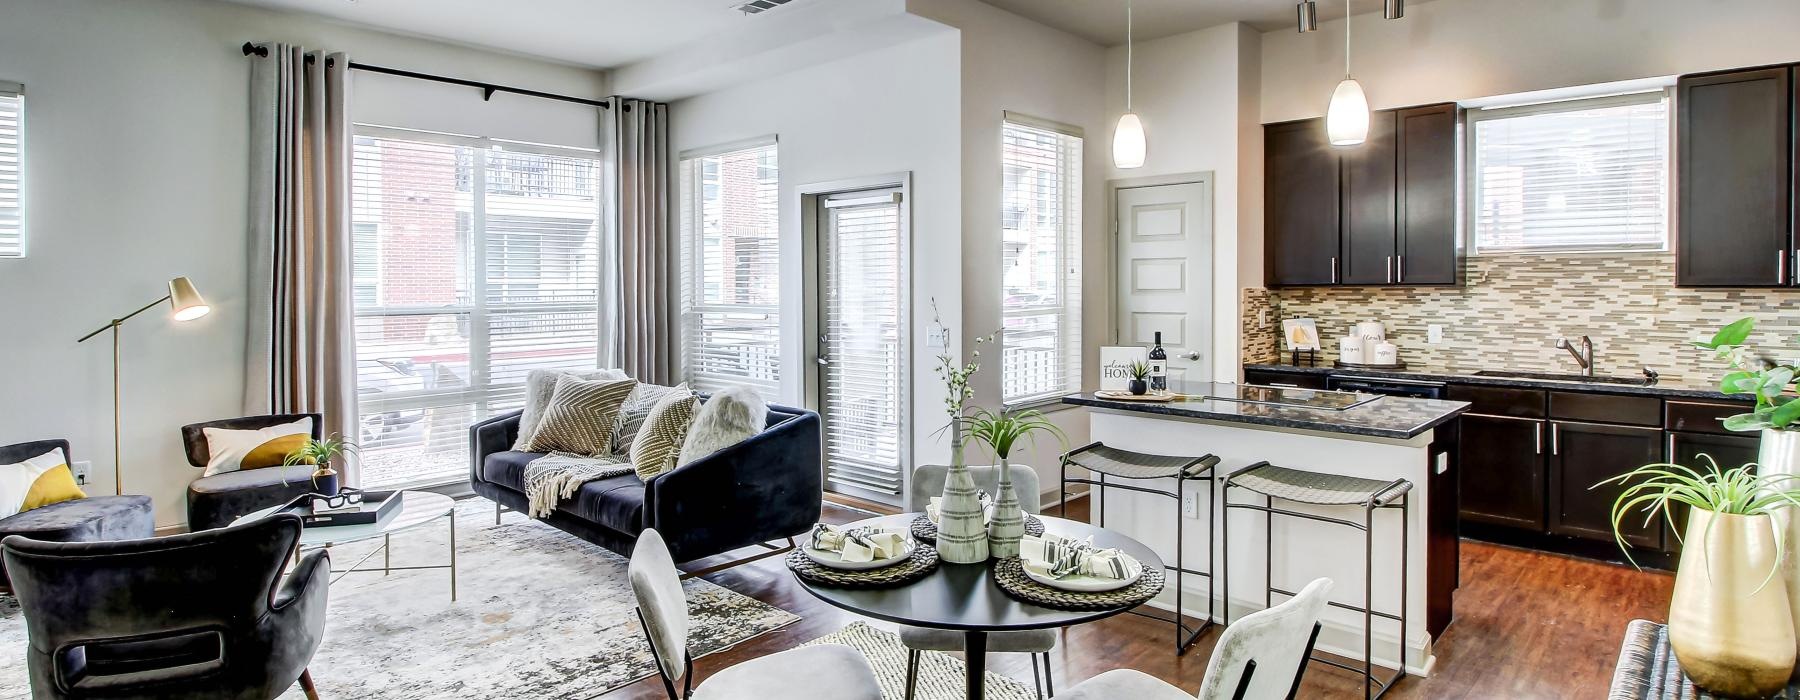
{"x":1780,"y":454}
{"x":962,"y":532}
{"x":1008,"y":525}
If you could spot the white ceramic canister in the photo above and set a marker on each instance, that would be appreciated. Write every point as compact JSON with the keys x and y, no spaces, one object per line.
{"x":1387,"y":353}
{"x":1350,"y":350}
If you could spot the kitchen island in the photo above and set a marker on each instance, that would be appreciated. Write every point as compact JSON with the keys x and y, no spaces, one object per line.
{"x":1358,"y":435}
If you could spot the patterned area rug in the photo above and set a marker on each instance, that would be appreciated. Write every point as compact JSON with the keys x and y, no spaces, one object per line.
{"x":540,"y":614}
{"x":941,"y":676}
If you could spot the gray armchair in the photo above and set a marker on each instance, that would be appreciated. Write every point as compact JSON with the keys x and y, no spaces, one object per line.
{"x":200,"y":615}
{"x":91,"y":519}
{"x":217,"y":500}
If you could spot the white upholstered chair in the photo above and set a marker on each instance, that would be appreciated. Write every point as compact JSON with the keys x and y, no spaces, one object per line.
{"x":1260,"y":657}
{"x":830,"y":671}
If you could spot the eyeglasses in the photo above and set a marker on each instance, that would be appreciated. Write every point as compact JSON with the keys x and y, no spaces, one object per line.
{"x":344,"y":498}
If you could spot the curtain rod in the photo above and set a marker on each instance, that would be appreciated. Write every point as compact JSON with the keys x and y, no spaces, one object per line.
{"x":487,"y":89}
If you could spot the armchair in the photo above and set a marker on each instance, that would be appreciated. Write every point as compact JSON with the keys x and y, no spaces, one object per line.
{"x":217,"y":500}
{"x":90,"y":519}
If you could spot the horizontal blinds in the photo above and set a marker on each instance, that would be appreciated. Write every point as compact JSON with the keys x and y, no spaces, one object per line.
{"x":12,"y":131}
{"x":731,"y":255}
{"x":472,"y":266}
{"x":1577,"y":175}
{"x":862,"y":326}
{"x":1041,"y":268}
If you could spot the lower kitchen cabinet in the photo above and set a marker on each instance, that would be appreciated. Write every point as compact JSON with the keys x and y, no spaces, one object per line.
{"x":1685,"y":449}
{"x":1503,"y":471}
{"x":1585,"y":454}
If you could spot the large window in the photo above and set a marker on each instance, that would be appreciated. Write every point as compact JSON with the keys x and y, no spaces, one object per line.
{"x":475,"y":261}
{"x":12,"y":171}
{"x":1040,"y":276}
{"x":1577,"y":175}
{"x":730,"y":270}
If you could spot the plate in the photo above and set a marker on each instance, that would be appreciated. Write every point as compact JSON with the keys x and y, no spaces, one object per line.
{"x":833,"y":560}
{"x":1082,"y":583}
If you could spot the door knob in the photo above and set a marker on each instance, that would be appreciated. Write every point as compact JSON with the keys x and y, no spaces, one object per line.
{"x":1193,"y":355}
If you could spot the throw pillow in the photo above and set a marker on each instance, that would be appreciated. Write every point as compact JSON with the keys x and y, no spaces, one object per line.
{"x":539,"y":385}
{"x":579,"y":418}
{"x":235,"y":450}
{"x":658,"y":443}
{"x":637,"y":408}
{"x":731,"y":416}
{"x":35,"y":483}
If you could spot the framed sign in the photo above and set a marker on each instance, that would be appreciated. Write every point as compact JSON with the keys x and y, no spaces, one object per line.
{"x":1115,"y":366}
{"x":1301,"y":333}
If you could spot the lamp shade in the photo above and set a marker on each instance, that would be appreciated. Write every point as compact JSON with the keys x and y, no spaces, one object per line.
{"x":1347,"y":120}
{"x":1128,"y":142}
{"x":186,"y":300}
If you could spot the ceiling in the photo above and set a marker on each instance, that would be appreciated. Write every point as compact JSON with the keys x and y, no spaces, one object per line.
{"x":1103,"y":21}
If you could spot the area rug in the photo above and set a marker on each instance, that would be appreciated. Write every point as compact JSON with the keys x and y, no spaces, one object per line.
{"x":941,"y":676}
{"x":540,"y":614}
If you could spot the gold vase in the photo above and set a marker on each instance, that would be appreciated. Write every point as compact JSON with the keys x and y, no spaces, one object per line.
{"x":1731,"y":631}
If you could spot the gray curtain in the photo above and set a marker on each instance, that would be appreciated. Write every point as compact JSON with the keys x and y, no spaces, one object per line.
{"x":636,"y":136}
{"x":300,"y":349}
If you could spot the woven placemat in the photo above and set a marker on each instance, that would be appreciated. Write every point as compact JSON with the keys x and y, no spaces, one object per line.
{"x":923,"y":561}
{"x":1009,"y":574}
{"x":926,"y":531}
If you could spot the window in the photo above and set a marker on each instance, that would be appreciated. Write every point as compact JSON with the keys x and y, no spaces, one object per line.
{"x":730,"y":270}
{"x":474,"y":261}
{"x":1040,"y":227}
{"x":12,"y":172}
{"x":1578,"y":175}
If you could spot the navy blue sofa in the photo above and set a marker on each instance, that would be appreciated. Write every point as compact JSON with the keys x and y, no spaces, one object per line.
{"x":766,"y":488}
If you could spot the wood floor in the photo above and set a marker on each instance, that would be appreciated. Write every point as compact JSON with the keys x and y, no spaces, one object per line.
{"x":1528,"y":625}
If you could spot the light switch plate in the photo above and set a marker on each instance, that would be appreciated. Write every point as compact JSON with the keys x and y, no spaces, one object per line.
{"x":1434,"y":334}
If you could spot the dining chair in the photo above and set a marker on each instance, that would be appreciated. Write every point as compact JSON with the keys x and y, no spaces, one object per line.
{"x":829,"y":671}
{"x":1248,"y":663}
{"x":928,"y":481}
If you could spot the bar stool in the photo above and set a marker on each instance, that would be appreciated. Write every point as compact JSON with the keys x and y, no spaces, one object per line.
{"x":1103,"y":461}
{"x":1319,"y":489}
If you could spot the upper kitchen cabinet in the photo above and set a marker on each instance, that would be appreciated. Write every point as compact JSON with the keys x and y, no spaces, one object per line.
{"x":1368,"y":194}
{"x":1425,"y":191}
{"x":1300,"y":201}
{"x":1734,"y":179}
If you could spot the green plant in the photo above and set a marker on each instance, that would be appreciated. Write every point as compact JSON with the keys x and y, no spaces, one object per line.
{"x":1000,"y":430}
{"x":1755,"y":374}
{"x":1139,"y":370}
{"x":320,"y":451}
{"x":1738,"y":491}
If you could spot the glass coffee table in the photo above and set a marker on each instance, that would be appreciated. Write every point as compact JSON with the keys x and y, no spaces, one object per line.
{"x":417,"y":508}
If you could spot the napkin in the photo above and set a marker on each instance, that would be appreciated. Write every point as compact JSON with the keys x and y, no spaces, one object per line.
{"x":859,"y":544}
{"x":987,"y":507}
{"x":1058,"y":557}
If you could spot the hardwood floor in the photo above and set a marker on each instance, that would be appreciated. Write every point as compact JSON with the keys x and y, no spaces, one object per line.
{"x":1528,"y":625}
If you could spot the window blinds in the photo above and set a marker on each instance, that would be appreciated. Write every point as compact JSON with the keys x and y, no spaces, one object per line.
{"x":1041,"y":260}
{"x":12,"y":147}
{"x":474,"y":261}
{"x":861,"y":284}
{"x":1579,"y":175}
{"x":730,"y":271}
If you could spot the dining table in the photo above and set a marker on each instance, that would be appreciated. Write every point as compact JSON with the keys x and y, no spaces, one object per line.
{"x":965,"y":597}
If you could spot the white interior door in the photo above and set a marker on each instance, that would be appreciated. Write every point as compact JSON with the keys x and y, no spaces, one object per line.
{"x":862,"y":342}
{"x":1164,"y":249}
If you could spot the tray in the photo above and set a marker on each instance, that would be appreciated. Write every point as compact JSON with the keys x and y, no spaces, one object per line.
{"x":377,"y":506}
{"x":1340,"y":364}
{"x":1128,"y":396}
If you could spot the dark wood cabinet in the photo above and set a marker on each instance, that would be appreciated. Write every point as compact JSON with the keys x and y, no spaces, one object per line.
{"x":1585,"y":454}
{"x":1300,"y":205}
{"x":1368,"y":200}
{"x":1691,"y":450}
{"x":1503,"y":471}
{"x":1425,"y":196}
{"x":1734,"y":179}
{"x":1298,"y":380}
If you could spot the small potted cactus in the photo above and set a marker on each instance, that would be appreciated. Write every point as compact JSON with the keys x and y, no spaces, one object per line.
{"x":1140,"y":378}
{"x":319,"y":453}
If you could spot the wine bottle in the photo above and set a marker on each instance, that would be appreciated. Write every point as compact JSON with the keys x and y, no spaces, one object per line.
{"x":1159,"y":366}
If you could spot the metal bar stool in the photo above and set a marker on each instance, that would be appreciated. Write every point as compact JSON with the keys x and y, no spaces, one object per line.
{"x":1325,"y":490}
{"x":1103,"y":461}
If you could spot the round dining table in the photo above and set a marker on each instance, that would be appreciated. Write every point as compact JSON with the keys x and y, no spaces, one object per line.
{"x":964,"y":597}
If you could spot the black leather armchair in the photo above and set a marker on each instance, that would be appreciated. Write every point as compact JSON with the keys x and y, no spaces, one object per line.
{"x":217,"y":500}
{"x":200,"y":615}
{"x":90,"y":519}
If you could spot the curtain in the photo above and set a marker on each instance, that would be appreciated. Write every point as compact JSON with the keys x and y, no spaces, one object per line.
{"x":300,"y":346}
{"x":636,"y":136}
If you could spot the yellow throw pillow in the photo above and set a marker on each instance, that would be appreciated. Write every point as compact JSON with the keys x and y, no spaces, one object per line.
{"x":234,"y":450}
{"x":35,"y":483}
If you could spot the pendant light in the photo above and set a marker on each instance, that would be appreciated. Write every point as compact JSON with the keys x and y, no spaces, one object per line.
{"x":1347,"y":120}
{"x":1128,"y":147}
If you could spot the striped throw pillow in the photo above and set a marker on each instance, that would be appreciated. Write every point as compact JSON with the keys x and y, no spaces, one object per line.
{"x":637,"y":408}
{"x":580,"y":417}
{"x":658,"y":443}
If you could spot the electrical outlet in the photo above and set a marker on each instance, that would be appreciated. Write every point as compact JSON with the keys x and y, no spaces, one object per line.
{"x":81,"y":471}
{"x":1434,"y":334}
{"x":1190,"y":505}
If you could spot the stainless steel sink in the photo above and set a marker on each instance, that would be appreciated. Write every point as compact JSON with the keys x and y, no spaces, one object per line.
{"x":1567,"y":377}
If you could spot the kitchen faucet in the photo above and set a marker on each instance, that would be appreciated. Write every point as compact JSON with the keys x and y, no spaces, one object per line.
{"x":1583,"y":356}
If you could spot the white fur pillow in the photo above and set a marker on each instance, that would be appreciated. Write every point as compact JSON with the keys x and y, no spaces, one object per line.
{"x":539,"y":385}
{"x":731,"y":416}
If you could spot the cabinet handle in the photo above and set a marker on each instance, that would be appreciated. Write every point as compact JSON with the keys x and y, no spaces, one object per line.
{"x":1334,"y":270}
{"x":1555,"y":439}
{"x":1400,"y":273}
{"x":1540,"y":438}
{"x":1781,"y":276}
{"x":1671,"y":455}
{"x":1390,"y":269}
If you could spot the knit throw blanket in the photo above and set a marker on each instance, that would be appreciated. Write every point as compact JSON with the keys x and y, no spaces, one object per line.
{"x":556,"y":476}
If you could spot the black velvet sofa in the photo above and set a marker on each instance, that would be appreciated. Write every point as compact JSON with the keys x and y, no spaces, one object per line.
{"x":765,"y":488}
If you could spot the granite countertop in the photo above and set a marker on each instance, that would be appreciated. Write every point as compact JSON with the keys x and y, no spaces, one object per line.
{"x":1666,"y":387}
{"x":1394,"y":417}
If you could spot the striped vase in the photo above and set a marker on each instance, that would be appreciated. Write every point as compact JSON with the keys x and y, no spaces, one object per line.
{"x":962,"y":536}
{"x":1008,"y":525}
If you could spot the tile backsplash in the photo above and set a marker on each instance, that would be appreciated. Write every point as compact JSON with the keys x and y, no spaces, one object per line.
{"x":1512,"y":308}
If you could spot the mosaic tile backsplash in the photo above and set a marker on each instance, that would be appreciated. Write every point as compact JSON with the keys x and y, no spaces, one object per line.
{"x":1513,"y":308}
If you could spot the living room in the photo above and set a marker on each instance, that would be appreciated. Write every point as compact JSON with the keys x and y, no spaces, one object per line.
{"x":614,"y":348}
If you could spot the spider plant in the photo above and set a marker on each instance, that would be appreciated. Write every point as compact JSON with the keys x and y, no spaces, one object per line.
{"x":1737,"y":491}
{"x":320,"y":452}
{"x":1000,"y":430}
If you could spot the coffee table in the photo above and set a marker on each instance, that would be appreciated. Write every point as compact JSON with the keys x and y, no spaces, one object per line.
{"x":417,"y":508}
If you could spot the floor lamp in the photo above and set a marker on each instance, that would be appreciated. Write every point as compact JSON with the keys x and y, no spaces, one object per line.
{"x":187,"y":306}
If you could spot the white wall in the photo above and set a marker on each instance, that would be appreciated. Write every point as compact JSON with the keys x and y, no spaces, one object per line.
{"x":137,"y":154}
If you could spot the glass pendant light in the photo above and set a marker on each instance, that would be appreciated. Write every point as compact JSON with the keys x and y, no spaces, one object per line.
{"x":1347,"y":120}
{"x":1129,"y":149}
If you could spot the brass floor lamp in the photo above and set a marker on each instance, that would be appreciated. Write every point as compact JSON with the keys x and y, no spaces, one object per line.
{"x":187,"y":305}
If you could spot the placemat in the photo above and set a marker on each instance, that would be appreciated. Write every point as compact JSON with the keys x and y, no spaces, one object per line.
{"x":1009,"y":574}
{"x":923,"y":561}
{"x":926,"y":531}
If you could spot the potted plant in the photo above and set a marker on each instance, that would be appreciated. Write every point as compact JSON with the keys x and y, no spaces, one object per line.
{"x":1000,"y":431}
{"x":1140,"y":378}
{"x":1729,"y":620}
{"x":325,"y":480}
{"x":962,"y":534}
